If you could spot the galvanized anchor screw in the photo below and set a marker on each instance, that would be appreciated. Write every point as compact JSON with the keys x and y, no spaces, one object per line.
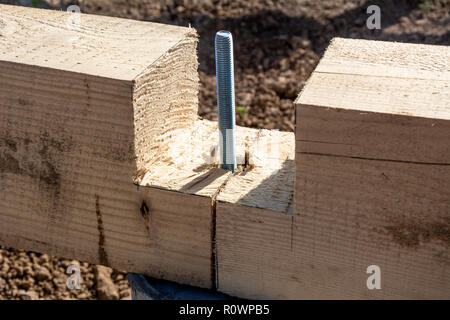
{"x":225,"y":99}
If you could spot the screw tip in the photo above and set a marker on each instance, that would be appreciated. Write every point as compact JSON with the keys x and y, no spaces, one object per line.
{"x":223,"y":33}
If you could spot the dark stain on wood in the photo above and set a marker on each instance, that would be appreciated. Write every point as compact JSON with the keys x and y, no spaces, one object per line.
{"x":12,"y":145}
{"x":102,"y":255}
{"x":9,"y":164}
{"x":51,"y":153}
{"x":42,"y":160}
{"x":23,"y":102}
{"x":412,"y":234}
{"x":42,"y":166}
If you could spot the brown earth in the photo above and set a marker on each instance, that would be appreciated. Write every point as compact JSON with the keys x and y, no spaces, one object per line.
{"x":277,"y":45}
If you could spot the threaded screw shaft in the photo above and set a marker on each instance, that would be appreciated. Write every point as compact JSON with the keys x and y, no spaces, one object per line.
{"x":225,"y":99}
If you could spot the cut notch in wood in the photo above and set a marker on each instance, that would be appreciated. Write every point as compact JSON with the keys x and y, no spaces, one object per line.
{"x":77,"y":129}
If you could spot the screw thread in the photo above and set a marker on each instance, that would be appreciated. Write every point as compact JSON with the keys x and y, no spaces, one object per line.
{"x":225,"y":99}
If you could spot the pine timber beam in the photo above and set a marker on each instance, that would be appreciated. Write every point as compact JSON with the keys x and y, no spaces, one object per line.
{"x":83,"y":111}
{"x":372,"y":185}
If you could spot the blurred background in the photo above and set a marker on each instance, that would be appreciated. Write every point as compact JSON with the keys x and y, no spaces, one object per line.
{"x":277,"y":45}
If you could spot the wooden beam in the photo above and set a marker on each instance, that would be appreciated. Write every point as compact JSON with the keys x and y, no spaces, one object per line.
{"x":254,"y":220}
{"x":372,"y":185}
{"x":373,"y":163}
{"x":110,"y":166}
{"x":84,"y":110}
{"x":264,"y":179}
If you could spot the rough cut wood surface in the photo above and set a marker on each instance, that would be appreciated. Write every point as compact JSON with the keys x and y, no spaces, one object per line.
{"x":372,"y":185}
{"x":264,"y":180}
{"x":265,"y":175}
{"x":88,"y":44}
{"x":269,"y":179}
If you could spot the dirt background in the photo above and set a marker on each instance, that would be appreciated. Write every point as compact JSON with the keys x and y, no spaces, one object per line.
{"x":277,"y":45}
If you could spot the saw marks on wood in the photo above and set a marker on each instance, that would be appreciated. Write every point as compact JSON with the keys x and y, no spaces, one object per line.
{"x":265,"y":175}
{"x":383,"y":77}
{"x":88,"y":44}
{"x":268,"y":181}
{"x":165,"y":102}
{"x":400,"y":96}
{"x":190,"y":164}
{"x":385,"y":59}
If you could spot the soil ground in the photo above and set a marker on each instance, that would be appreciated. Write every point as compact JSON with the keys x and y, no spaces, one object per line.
{"x":277,"y":46}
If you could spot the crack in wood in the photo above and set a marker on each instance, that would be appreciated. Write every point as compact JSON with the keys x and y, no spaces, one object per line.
{"x":374,"y":159}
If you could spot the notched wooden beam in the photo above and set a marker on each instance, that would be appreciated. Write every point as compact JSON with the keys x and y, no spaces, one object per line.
{"x":83,"y":110}
{"x":372,"y":184}
{"x":102,"y":155}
